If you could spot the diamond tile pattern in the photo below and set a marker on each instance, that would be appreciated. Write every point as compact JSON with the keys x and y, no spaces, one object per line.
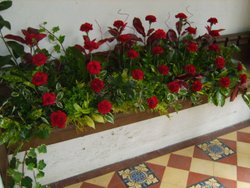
{"x":223,"y":162}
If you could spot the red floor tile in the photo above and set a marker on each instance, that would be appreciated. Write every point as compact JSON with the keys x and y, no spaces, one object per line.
{"x":243,"y":137}
{"x":227,"y":183}
{"x":157,"y":170}
{"x":194,"y":178}
{"x":243,"y":174}
{"x":198,"y":153}
{"x":180,"y":162}
{"x":88,"y":185}
{"x":229,"y":143}
{"x":116,"y":182}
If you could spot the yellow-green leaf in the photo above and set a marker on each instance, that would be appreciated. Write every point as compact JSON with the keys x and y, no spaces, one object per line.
{"x":97,"y":118}
{"x":89,"y":122}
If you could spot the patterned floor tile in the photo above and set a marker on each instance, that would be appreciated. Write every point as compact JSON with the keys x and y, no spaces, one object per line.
{"x":180,"y":162}
{"x":139,"y":176}
{"x":211,"y":182}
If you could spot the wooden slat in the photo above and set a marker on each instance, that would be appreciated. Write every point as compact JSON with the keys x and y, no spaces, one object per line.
{"x":4,"y":164}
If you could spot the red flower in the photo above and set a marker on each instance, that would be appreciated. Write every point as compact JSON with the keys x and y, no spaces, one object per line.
{"x":39,"y":78}
{"x":190,"y":69}
{"x":58,"y":119}
{"x":163,"y":69}
{"x":97,"y":85}
{"x":150,"y":18}
{"x":243,"y":78}
{"x":119,"y":24}
{"x":157,"y":50}
{"x":214,"y":47}
{"x":132,"y":54}
{"x":94,"y":67}
{"x":39,"y":59}
{"x":220,"y":62}
{"x":224,"y":82}
{"x":90,"y":45}
{"x":197,"y":85}
{"x":138,"y":74}
{"x":160,"y":34}
{"x":192,"y":47}
{"x":214,"y":33}
{"x":152,"y":102}
{"x":174,"y":86}
{"x":191,"y":30}
{"x":212,"y":21}
{"x":239,"y":67}
{"x":104,"y":107}
{"x":181,"y":15}
{"x":49,"y":99}
{"x":86,"y":27}
{"x":124,"y":38}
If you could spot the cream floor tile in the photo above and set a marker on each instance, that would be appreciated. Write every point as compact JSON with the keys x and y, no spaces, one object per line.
{"x":163,"y":160}
{"x":242,"y":184}
{"x":243,"y":147}
{"x":173,"y":176}
{"x":246,"y":130}
{"x":101,"y":180}
{"x":225,"y":171}
{"x":202,"y":166}
{"x":186,"y":151}
{"x":78,"y":185}
{"x":243,"y":160}
{"x":230,"y":136}
{"x":169,"y":185}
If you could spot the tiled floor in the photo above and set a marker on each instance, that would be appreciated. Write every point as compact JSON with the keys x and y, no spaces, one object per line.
{"x":219,"y":163}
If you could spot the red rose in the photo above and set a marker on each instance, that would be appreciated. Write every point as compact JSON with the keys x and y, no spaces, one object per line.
{"x":192,"y":47}
{"x":97,"y":85}
{"x":224,"y":82}
{"x":39,"y":59}
{"x":104,"y":107}
{"x":243,"y":78}
{"x":181,"y":15}
{"x":190,"y":69}
{"x":86,"y":27}
{"x":124,"y":38}
{"x":152,"y":102}
{"x":49,"y":99}
{"x":157,"y":50}
{"x":191,"y":30}
{"x":138,"y":74}
{"x":119,"y":24}
{"x":197,"y":85}
{"x":90,"y":45}
{"x":58,"y":119}
{"x":163,"y":69}
{"x":214,"y":47}
{"x":220,"y":62}
{"x":39,"y":78}
{"x":174,"y":86}
{"x":212,"y":21}
{"x":94,"y":67}
{"x":160,"y":34}
{"x":239,"y":67}
{"x":150,"y":18}
{"x":132,"y":54}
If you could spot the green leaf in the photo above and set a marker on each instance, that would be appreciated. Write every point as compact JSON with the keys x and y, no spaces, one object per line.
{"x":27,"y":182}
{"x":58,"y":86}
{"x":59,"y":96}
{"x":61,"y":38}
{"x":77,"y":107}
{"x":4,"y":23}
{"x":57,"y":48}
{"x":89,"y":121}
{"x":43,"y":130}
{"x":17,"y":48}
{"x":220,"y":98}
{"x":17,"y":176}
{"x":43,"y":89}
{"x":41,"y":165}
{"x":38,"y":185}
{"x":246,"y":98}
{"x":34,"y":115}
{"x":42,"y":148}
{"x":5,"y":5}
{"x":40,"y":174}
{"x":32,"y":153}
{"x":13,"y":163}
{"x":109,"y":118}
{"x":59,"y":104}
{"x":55,"y":29}
{"x":31,"y":166}
{"x":6,"y":60}
{"x":98,"y":118}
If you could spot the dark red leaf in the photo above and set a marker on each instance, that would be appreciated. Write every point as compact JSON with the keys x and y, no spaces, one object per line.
{"x":178,"y":26}
{"x":80,"y":48}
{"x":114,"y":32}
{"x":234,"y":93}
{"x":139,"y":27}
{"x":150,"y":31}
{"x":171,"y":35}
{"x":16,"y":38}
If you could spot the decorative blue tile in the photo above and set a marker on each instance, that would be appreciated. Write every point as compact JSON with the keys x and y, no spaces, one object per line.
{"x":139,"y":176}
{"x":208,"y":183}
{"x":215,"y":149}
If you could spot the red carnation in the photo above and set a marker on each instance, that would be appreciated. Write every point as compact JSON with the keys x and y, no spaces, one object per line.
{"x":181,"y":15}
{"x":224,"y":82}
{"x":90,"y":45}
{"x":119,"y":24}
{"x":58,"y":119}
{"x":239,"y":67}
{"x":243,"y":78}
{"x":214,"y":33}
{"x":138,"y":74}
{"x":86,"y":27}
{"x":39,"y":78}
{"x":97,"y":85}
{"x":160,"y":34}
{"x":132,"y":54}
{"x":94,"y":67}
{"x":212,"y":21}
{"x":39,"y":59}
{"x":192,"y":47}
{"x":124,"y":38}
{"x":174,"y":86}
{"x":157,"y":50}
{"x":163,"y":69}
{"x":191,"y":30}
{"x":214,"y":47}
{"x":190,"y":69}
{"x":104,"y":107}
{"x":220,"y":62}
{"x":150,"y":18}
{"x":196,"y":85}
{"x":49,"y":99}
{"x":152,"y":102}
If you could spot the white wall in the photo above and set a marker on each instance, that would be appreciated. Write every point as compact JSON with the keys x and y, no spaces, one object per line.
{"x":69,"y":14}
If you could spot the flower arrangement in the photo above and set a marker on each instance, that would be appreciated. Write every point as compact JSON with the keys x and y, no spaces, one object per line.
{"x":149,"y":69}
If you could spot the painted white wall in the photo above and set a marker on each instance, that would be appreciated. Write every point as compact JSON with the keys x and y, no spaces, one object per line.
{"x":70,"y":14}
{"x":1,"y":183}
{"x":87,"y":153}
